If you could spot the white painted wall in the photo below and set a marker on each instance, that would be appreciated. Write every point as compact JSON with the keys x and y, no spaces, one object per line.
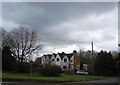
{"x":65,"y":63}
{"x":43,"y":60}
{"x":72,"y":58}
{"x":58,"y":62}
{"x":53,"y":62}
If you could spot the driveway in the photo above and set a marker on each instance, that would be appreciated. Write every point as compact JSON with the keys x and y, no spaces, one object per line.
{"x":110,"y":81}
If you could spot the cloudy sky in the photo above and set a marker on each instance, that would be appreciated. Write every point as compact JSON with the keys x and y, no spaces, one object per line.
{"x":66,"y":26}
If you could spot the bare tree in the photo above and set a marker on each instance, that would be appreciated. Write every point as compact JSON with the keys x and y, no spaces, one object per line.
{"x":23,"y":42}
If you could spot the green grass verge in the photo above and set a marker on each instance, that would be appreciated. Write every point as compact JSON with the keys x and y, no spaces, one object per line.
{"x":62,"y":78}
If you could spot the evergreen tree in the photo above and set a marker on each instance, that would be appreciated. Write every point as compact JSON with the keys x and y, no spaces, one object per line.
{"x":81,"y":66}
{"x":104,"y":64}
{"x":118,"y":65}
{"x":8,"y":61}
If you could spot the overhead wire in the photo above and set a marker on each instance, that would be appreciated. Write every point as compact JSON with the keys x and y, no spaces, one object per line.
{"x":46,"y":39}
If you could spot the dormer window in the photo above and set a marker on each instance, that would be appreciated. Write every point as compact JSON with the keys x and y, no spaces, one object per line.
{"x":65,"y":60}
{"x":53,"y":59}
{"x":57,"y":59}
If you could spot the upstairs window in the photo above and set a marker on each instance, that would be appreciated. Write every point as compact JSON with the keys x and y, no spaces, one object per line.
{"x":65,"y":60}
{"x":57,"y":59}
{"x":53,"y":59}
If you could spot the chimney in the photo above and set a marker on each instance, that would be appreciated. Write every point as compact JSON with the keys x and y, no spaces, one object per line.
{"x":75,"y":53}
{"x":76,"y":60}
{"x":63,"y":53}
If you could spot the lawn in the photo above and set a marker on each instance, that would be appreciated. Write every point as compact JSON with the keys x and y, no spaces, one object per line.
{"x":62,"y":78}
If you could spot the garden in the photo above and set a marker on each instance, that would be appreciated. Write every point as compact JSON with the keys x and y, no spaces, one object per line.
{"x":39,"y":78}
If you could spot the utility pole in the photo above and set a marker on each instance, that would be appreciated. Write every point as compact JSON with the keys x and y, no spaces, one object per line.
{"x":92,"y":61}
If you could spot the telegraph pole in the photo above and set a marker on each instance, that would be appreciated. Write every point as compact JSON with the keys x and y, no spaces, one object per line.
{"x":92,"y":61}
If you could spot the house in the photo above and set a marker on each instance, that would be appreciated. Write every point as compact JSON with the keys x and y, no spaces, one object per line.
{"x":69,"y":61}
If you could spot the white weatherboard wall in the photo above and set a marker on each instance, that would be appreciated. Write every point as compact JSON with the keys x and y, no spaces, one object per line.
{"x":72,"y":59}
{"x":61,"y":62}
{"x":58,"y":62}
{"x":65,"y":63}
{"x":43,"y":60}
{"x":53,"y":57}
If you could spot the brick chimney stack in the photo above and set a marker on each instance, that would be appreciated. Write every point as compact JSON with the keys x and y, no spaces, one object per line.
{"x":75,"y":53}
{"x":76,"y":60}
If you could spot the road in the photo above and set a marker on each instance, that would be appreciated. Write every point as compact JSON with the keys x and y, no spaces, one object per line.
{"x":110,"y":81}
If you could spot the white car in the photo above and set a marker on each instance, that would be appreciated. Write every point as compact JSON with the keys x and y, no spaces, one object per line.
{"x":82,"y":72}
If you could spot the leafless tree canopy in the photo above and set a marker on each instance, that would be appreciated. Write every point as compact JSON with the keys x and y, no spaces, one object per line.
{"x":23,"y":42}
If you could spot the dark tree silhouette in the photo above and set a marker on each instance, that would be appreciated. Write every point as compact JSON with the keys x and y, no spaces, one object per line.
{"x":104,"y":64}
{"x":8,"y":61}
{"x":118,"y":64}
{"x":81,"y":66}
{"x":23,"y":42}
{"x":118,"y":44}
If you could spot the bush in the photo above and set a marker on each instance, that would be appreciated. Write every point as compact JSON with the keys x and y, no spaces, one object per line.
{"x":69,"y":72}
{"x":37,"y":69}
{"x":23,"y":67}
{"x":51,"y":70}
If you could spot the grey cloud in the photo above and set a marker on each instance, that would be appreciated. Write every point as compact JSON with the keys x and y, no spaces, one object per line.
{"x":119,"y":23}
{"x":61,"y":23}
{"x":46,"y":14}
{"x":60,"y":1}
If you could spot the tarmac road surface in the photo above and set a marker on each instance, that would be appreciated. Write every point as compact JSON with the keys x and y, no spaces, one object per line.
{"x":109,"y":81}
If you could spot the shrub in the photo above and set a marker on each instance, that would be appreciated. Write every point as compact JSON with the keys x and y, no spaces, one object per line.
{"x":23,"y":67}
{"x":51,"y":70}
{"x":69,"y":72}
{"x":37,"y":69}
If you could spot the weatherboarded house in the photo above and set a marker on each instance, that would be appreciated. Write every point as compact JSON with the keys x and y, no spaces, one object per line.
{"x":69,"y":61}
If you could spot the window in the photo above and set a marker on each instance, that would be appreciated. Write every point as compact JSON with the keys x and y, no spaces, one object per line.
{"x":57,"y":59}
{"x":53,"y":59}
{"x":71,"y":61}
{"x":64,"y":67}
{"x":65,"y":60}
{"x":78,"y":67}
